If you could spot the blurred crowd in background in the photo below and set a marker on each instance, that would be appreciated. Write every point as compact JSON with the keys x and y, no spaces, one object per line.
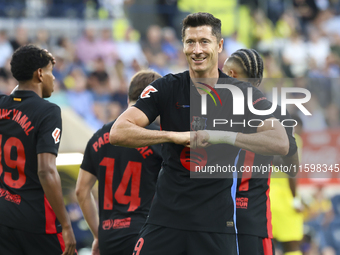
{"x":100,"y":44}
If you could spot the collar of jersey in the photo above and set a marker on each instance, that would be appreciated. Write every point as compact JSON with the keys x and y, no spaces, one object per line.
{"x":24,"y":93}
{"x":221,"y":76}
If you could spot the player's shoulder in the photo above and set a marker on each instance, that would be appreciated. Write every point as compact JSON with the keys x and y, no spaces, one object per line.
{"x":46,"y":109}
{"x":104,"y":129}
{"x":170,"y":80}
{"x":4,"y":98}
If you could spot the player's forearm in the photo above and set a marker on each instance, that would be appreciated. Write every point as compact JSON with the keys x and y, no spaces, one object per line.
{"x":293,"y":163}
{"x":264,"y":143}
{"x":89,"y":208}
{"x":50,"y":181}
{"x":130,"y":135}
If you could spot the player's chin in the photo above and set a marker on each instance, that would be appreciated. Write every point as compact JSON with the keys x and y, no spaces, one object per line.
{"x":47,"y":94}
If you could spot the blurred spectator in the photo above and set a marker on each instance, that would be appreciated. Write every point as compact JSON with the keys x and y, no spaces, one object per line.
{"x":107,"y":48}
{"x":80,"y":99}
{"x":131,"y":54}
{"x":152,"y":47}
{"x":21,"y":37}
{"x":263,"y":31}
{"x":5,"y":48}
{"x":307,"y":12}
{"x":295,"y":56}
{"x":330,"y":236}
{"x":65,"y":48}
{"x":318,"y":48}
{"x":99,"y":82}
{"x":170,"y":45}
{"x":286,"y":25}
{"x":231,"y":44}
{"x":87,"y":47}
{"x":42,"y":39}
{"x":62,"y":67}
{"x":275,"y":10}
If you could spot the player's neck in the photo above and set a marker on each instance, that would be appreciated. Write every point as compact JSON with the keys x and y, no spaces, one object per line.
{"x":201,"y":80}
{"x":199,"y":75}
{"x":131,"y":103}
{"x":29,"y":85}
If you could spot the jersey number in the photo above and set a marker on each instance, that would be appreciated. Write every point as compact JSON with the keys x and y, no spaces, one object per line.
{"x":133,"y":172}
{"x":18,"y":163}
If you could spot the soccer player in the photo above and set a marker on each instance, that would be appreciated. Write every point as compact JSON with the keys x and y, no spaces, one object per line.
{"x":33,"y":218}
{"x":193,"y":215}
{"x":252,"y":197}
{"x":127,"y":179}
{"x":286,"y":205}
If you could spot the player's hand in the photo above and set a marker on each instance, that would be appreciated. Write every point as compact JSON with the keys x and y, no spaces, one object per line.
{"x":182,"y":138}
{"x":202,"y":139}
{"x":95,"y":247}
{"x":69,"y":240}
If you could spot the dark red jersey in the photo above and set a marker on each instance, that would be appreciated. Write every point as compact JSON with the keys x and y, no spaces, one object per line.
{"x":183,"y":202}
{"x":29,"y":125}
{"x":252,"y":198}
{"x":127,"y":179}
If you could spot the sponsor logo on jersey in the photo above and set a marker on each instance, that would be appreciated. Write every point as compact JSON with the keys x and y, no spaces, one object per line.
{"x":56,"y":135}
{"x":242,"y":202}
{"x":193,"y":158}
{"x":116,"y":224}
{"x":10,"y":197}
{"x":198,"y":123}
{"x":147,"y":91}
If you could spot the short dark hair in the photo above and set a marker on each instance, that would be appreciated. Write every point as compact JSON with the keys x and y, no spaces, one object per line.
{"x":27,"y":59}
{"x":140,"y":81}
{"x":251,"y":63}
{"x":203,"y":19}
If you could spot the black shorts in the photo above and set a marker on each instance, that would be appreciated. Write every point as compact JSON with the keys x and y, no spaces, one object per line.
{"x":118,"y":246}
{"x":255,"y":245}
{"x":18,"y":242}
{"x":155,"y":240}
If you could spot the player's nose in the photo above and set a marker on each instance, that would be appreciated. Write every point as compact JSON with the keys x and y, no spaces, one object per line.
{"x":197,"y":48}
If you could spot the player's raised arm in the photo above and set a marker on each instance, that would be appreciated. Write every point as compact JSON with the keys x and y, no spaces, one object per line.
{"x":129,"y":131}
{"x":50,"y":182}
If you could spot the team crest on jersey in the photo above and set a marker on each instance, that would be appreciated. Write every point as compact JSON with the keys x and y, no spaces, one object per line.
{"x":147,"y":91}
{"x":198,"y":123}
{"x":56,"y":135}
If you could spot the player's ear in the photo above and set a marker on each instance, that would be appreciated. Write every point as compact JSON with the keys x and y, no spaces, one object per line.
{"x":220,"y":46}
{"x":232,"y":73}
{"x":39,"y":74}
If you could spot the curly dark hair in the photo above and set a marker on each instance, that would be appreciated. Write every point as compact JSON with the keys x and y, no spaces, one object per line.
{"x":27,"y":59}
{"x":203,"y":19}
{"x":251,"y":63}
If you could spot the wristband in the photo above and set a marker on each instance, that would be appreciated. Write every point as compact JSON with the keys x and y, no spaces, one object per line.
{"x":216,"y":137}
